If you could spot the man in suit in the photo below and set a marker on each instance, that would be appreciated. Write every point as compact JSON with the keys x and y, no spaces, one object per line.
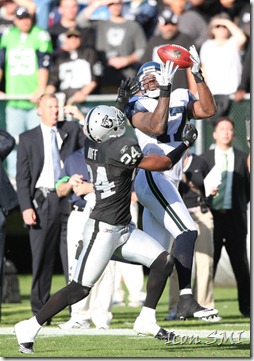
{"x":229,"y":206}
{"x":8,"y":198}
{"x":44,"y":214}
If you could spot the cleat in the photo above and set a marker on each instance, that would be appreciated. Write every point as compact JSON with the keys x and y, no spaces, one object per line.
{"x":26,"y":347}
{"x":164,"y":335}
{"x":188,"y":307}
{"x":150,"y":328}
{"x":71,"y":324}
{"x":26,"y":332}
{"x":212,"y":319}
{"x":145,"y":327}
{"x":171,"y":316}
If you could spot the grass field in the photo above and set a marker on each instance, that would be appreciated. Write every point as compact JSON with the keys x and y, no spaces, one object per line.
{"x":228,"y":338}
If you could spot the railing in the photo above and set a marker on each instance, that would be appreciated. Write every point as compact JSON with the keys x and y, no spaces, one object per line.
{"x":238,"y":112}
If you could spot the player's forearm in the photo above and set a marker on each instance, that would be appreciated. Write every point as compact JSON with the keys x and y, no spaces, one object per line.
{"x":154,"y":123}
{"x":205,"y":107}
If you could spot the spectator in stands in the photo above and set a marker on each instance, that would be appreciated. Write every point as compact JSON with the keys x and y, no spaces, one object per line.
{"x":168,"y":33}
{"x":244,"y":23}
{"x":190,"y":21}
{"x":26,"y":74}
{"x":7,"y":15}
{"x":206,"y":8}
{"x":43,"y":9}
{"x":97,"y":10}
{"x":192,"y":190}
{"x":244,"y":86}
{"x":229,"y":206}
{"x":8,"y":9}
{"x":232,"y":8}
{"x":68,"y":10}
{"x":75,"y":71}
{"x":145,"y":12}
{"x":8,"y":198}
{"x":221,"y":60}
{"x":120,"y":43}
{"x":41,"y":153}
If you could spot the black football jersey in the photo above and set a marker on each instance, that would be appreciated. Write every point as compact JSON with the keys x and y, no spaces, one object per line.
{"x":111,"y":166}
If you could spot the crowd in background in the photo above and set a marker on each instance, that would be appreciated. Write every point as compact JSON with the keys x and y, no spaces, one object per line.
{"x":119,"y":32}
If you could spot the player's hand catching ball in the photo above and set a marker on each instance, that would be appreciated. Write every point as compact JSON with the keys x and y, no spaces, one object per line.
{"x":168,"y":71}
{"x":196,"y":67}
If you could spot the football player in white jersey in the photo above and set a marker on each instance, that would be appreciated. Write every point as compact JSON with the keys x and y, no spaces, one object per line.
{"x":159,"y":117}
{"x":112,"y":159}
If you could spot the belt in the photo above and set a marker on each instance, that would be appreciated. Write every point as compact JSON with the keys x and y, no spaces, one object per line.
{"x":46,"y":190}
{"x":76,"y":208}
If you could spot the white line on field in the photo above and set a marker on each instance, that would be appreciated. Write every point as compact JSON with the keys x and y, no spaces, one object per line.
{"x":55,"y":331}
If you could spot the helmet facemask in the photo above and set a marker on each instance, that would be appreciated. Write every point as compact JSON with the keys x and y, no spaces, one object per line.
{"x":149,"y":79}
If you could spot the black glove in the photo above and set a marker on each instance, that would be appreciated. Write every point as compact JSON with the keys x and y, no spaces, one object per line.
{"x":189,"y":134}
{"x":127,"y":89}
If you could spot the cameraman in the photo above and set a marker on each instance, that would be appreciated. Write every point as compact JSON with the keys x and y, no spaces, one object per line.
{"x":192,"y":191}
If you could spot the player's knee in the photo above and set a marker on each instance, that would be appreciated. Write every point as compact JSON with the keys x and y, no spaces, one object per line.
{"x":164,"y":263}
{"x":187,"y":238}
{"x":77,"y":292}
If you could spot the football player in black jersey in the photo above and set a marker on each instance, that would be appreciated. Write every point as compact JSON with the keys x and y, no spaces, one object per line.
{"x":112,"y":159}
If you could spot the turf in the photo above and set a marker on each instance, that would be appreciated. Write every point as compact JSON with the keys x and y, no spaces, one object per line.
{"x":223,"y":339}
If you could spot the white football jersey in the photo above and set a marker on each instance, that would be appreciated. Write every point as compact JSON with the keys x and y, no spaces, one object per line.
{"x":162,"y":145}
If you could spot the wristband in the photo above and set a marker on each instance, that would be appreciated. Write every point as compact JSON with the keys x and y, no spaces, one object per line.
{"x":120,"y":106}
{"x":165,"y":91}
{"x":176,"y":154}
{"x":199,"y":77}
{"x":65,"y":179}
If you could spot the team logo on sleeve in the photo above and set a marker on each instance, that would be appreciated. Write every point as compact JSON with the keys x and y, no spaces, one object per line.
{"x":131,"y":157}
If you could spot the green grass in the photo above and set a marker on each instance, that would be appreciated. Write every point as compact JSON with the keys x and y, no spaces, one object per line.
{"x":105,"y":346}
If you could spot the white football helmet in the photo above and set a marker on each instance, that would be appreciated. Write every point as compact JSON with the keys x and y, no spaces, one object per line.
{"x":104,"y":122}
{"x":149,"y":88}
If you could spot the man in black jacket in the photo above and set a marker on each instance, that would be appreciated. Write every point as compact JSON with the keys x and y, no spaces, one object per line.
{"x":8,"y":197}
{"x":229,"y":206}
{"x":44,"y":214}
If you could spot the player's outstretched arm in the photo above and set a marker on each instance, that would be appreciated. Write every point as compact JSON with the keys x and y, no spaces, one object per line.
{"x":205,"y":107}
{"x":154,"y":162}
{"x":126,"y":90}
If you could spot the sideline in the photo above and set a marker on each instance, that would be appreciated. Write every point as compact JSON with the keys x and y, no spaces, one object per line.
{"x":180,"y":333}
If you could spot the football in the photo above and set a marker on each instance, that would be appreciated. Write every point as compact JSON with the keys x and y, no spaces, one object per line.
{"x":175,"y":53}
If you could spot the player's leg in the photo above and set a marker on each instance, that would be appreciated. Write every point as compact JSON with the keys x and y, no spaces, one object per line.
{"x":143,"y":249}
{"x":160,"y":195}
{"x":80,"y":317}
{"x":93,"y":259}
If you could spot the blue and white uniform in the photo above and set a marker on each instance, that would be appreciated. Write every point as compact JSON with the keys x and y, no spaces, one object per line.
{"x":164,"y":210}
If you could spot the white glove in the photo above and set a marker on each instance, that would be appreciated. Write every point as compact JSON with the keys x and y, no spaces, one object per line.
{"x":195,"y":59}
{"x":168,"y":71}
{"x":195,"y":69}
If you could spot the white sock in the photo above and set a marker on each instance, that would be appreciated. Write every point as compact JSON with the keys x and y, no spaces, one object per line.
{"x":34,"y":323}
{"x":148,"y":313}
{"x":186,"y":291}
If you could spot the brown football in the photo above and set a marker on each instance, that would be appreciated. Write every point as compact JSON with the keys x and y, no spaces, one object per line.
{"x":176,"y":53}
